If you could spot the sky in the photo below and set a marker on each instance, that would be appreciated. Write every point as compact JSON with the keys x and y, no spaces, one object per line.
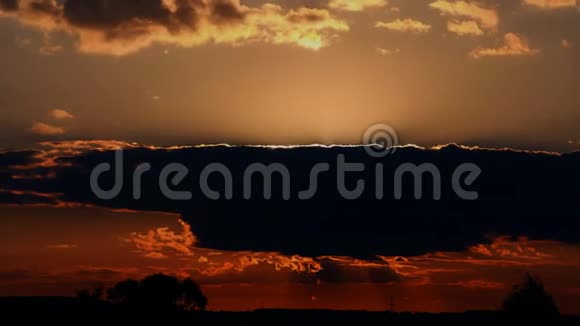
{"x":499,"y":73}
{"x":80,"y":75}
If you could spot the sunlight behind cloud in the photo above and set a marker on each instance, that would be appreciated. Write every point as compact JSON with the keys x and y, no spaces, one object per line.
{"x":356,"y":5}
{"x":514,"y":45}
{"x":405,"y":25}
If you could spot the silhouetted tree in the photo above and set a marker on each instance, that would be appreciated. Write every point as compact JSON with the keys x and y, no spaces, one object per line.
{"x":124,"y":292}
{"x":90,"y":304}
{"x":95,"y":295}
{"x":530,"y":303}
{"x":193,"y":297}
{"x":159,"y":291}
{"x":156,"y":297}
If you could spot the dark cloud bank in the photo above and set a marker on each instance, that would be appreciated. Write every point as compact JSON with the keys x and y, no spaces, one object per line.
{"x":520,"y":194}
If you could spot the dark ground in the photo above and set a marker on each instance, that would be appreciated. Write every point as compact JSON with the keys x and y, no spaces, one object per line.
{"x":67,"y":311}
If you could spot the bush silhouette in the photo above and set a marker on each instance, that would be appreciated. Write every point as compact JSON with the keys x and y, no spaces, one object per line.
{"x":530,"y":303}
{"x":124,"y":292}
{"x":159,"y":292}
{"x":193,"y":297}
{"x":156,"y":296}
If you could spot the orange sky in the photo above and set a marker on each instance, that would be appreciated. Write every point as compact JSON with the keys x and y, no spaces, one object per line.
{"x":492,"y":72}
{"x":56,"y":251}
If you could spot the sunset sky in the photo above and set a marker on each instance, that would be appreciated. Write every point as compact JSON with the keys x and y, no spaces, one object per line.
{"x":491,"y":72}
{"x":83,"y":75}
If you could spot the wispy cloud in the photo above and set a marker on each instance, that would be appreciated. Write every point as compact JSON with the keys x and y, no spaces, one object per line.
{"x":550,"y":4}
{"x":49,"y":49}
{"x":356,"y":5}
{"x":386,"y":52}
{"x":45,"y":129}
{"x":566,"y":44}
{"x":513,"y":45}
{"x":480,"y":18}
{"x":154,"y":243}
{"x":479,"y":284}
{"x":48,"y":46}
{"x":63,"y":246}
{"x":405,"y":25}
{"x":61,"y":114}
{"x":464,"y":28}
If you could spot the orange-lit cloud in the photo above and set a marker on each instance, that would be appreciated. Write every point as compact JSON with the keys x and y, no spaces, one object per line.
{"x":61,"y":114}
{"x":479,"y":284}
{"x":117,"y":30}
{"x":491,"y":268}
{"x":551,"y":4}
{"x":75,"y":147}
{"x":514,"y":45}
{"x":451,"y":268}
{"x":405,"y":25}
{"x":487,"y":18}
{"x":464,"y":28}
{"x":63,"y":246}
{"x":49,"y":49}
{"x":157,"y":241}
{"x":163,"y":243}
{"x":356,"y":5}
{"x":45,"y":129}
{"x":48,"y":46}
{"x":501,"y":252}
{"x":386,"y":52}
{"x":566,"y":44}
{"x":503,"y":247}
{"x":52,"y":151}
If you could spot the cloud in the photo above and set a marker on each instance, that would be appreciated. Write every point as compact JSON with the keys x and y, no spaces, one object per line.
{"x":463,"y":28}
{"x":45,"y":129}
{"x":154,"y":243}
{"x":356,"y":5}
{"x":486,"y":17}
{"x":514,"y":45}
{"x":335,"y":270}
{"x":60,"y":114}
{"x":8,"y":5}
{"x":405,"y":25}
{"x":385,"y":52}
{"x":506,"y":248}
{"x":566,"y":44}
{"x":49,"y":49}
{"x":23,"y":197}
{"x":550,"y":4}
{"x":120,"y":28}
{"x":328,"y":224}
{"x":64,"y":246}
{"x":48,"y":46}
{"x":479,"y":284}
{"x":472,"y":268}
{"x":202,"y":259}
